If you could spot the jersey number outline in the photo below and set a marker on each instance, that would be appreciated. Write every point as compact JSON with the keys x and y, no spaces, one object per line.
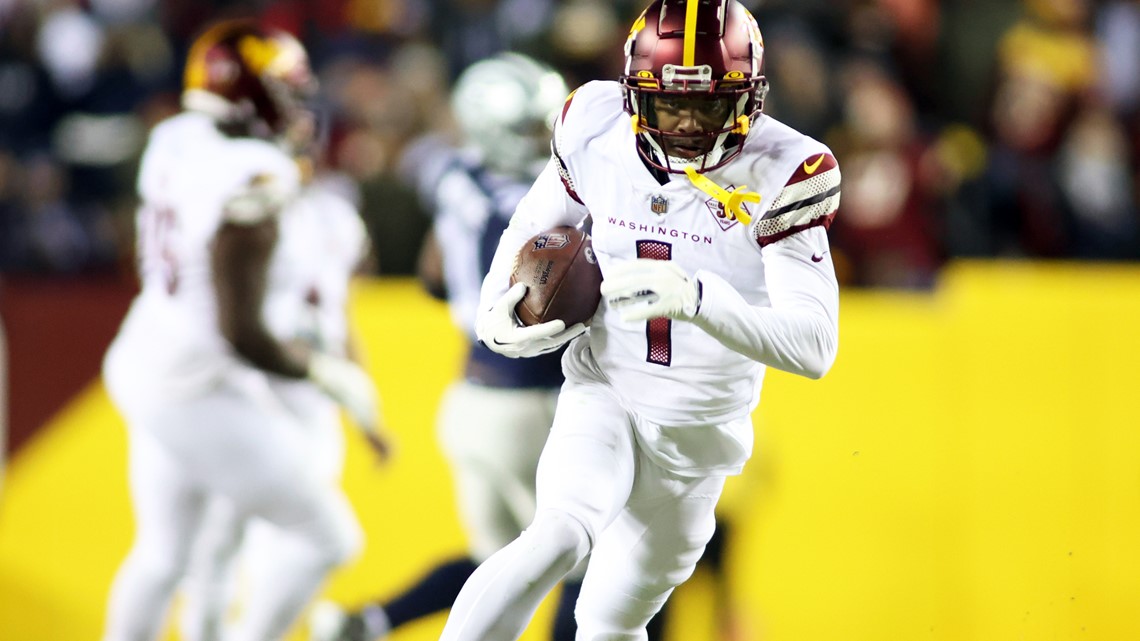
{"x":159,"y":227}
{"x":658,"y":331}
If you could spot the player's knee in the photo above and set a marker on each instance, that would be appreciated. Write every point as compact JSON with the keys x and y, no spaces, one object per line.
{"x":351,"y":543}
{"x":676,"y":572}
{"x":563,"y":536}
{"x":333,"y":539}
{"x":604,"y":617}
{"x":161,"y":565}
{"x":343,"y":543}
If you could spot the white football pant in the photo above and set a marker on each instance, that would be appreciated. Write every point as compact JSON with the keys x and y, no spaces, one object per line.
{"x":492,"y":438}
{"x":240,"y":442}
{"x":597,"y":493}
{"x":210,"y":588}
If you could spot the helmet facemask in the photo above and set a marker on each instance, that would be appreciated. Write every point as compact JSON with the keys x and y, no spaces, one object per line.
{"x":686,"y":119}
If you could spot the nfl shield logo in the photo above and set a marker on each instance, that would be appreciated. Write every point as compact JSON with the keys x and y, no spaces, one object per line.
{"x":554,"y":240}
{"x":658,"y":204}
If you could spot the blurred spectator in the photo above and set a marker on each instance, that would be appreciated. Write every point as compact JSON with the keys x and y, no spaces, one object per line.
{"x":1058,"y":182}
{"x":1098,"y":188}
{"x":1017,"y":131}
{"x":802,"y":94}
{"x":888,"y":231}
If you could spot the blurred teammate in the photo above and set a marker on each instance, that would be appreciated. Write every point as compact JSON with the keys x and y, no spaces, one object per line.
{"x":709,"y":223}
{"x":322,"y":235}
{"x":215,"y":357}
{"x":494,"y":421}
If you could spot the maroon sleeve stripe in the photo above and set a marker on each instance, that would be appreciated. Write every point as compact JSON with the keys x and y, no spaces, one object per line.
{"x":795,"y":229}
{"x":566,"y":105}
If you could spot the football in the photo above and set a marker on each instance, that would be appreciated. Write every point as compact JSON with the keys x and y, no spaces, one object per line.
{"x":562,"y":277}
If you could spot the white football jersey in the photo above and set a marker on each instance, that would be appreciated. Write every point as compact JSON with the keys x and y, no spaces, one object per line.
{"x":192,"y":180}
{"x":321,"y":241}
{"x":690,"y":393}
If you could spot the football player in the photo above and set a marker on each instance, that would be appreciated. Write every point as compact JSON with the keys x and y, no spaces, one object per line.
{"x":709,"y":221}
{"x":214,"y":368}
{"x":494,"y":421}
{"x":322,"y":235}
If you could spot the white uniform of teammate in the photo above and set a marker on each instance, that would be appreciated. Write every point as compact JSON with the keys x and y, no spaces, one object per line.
{"x":200,"y":367}
{"x":322,"y":242}
{"x":202,"y":421}
{"x":655,"y":411}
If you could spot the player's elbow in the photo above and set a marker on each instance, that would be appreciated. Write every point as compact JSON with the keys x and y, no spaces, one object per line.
{"x":818,"y":368}
{"x":825,"y":347}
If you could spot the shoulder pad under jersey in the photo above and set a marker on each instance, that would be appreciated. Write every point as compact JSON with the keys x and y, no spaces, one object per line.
{"x":268,"y":179}
{"x":589,"y":111}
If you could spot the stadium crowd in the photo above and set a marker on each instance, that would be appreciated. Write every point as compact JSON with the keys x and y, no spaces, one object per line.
{"x":982,"y":128}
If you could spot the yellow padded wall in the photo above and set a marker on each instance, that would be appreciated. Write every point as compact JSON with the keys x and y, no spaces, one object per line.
{"x":968,"y":471}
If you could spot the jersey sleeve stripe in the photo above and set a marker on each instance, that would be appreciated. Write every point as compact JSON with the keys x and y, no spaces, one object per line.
{"x":811,"y":200}
{"x":817,"y":184}
{"x":564,"y":174}
{"x":824,"y":221}
{"x":768,"y":230}
{"x":566,"y":105}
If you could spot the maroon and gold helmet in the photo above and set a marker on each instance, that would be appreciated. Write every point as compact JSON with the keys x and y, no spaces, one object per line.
{"x":703,"y":55}
{"x":243,"y":74}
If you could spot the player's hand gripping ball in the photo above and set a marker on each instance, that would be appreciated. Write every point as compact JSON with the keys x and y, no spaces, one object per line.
{"x":562,"y":277}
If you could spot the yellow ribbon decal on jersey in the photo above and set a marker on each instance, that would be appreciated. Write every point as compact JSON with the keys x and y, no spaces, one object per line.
{"x":690,"y":46}
{"x":731,"y":200}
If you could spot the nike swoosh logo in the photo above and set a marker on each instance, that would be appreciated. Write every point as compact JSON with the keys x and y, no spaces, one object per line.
{"x":817,"y":258}
{"x":810,"y":169}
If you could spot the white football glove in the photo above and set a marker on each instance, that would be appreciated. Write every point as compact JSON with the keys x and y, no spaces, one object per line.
{"x":644,"y":288}
{"x":350,"y":386}
{"x":501,"y":332}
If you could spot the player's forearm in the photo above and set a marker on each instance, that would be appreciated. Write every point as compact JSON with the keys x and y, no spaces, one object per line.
{"x":239,"y":263}
{"x":264,"y":352}
{"x":546,"y":205}
{"x":498,"y":277}
{"x":799,"y":334}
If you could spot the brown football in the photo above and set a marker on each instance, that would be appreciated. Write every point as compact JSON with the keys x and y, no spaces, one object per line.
{"x":562,"y":277}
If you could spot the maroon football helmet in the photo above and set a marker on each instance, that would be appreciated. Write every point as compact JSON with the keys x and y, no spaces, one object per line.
{"x":699,"y":62}
{"x":243,"y":74}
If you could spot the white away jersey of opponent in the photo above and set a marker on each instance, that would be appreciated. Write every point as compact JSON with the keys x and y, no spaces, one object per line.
{"x":768,"y":287}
